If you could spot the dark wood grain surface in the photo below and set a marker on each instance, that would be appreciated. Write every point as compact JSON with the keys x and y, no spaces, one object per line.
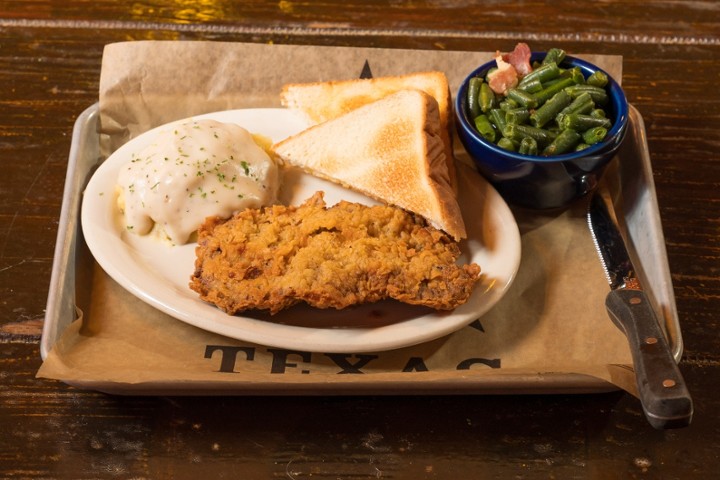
{"x":50,"y":53}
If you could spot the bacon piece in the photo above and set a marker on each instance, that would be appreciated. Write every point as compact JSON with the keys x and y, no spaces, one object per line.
{"x":504,"y":78}
{"x":520,"y":59}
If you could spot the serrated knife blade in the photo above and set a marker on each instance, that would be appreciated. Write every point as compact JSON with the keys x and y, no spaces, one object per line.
{"x":662,"y":390}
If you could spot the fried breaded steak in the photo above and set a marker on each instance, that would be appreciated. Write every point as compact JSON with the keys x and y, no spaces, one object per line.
{"x":275,"y":257}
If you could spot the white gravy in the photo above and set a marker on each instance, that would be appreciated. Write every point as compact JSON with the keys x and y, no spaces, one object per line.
{"x":193,"y":171}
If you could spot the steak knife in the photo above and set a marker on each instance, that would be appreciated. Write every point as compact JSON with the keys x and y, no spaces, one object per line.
{"x":663,"y":393}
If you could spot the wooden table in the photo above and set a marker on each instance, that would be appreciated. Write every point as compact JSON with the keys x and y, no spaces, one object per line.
{"x":50,"y":53}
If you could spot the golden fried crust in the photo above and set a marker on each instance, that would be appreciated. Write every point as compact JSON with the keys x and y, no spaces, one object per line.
{"x":275,"y":257}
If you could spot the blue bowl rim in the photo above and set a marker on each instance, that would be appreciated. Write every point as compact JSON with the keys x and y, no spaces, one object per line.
{"x":614,"y":134}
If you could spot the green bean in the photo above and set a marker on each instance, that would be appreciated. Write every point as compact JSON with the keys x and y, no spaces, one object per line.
{"x":598,"y":79}
{"x":599,"y":95}
{"x":486,"y":98}
{"x":556,"y":55}
{"x":597,"y":113}
{"x":518,"y":132}
{"x":552,"y":82}
{"x":579,"y":122}
{"x":581,"y":146}
{"x":472,"y":96}
{"x":575,"y":74}
{"x":543,"y":73}
{"x":550,"y":109}
{"x":546,"y":93}
{"x":594,"y":135}
{"x":528,"y":146}
{"x":507,"y":144}
{"x":497,"y":118}
{"x":582,"y":104}
{"x":566,"y":141}
{"x":531,"y":86}
{"x":485,"y":128}
{"x":508,"y":104}
{"x":517,"y":115}
{"x":525,"y":99}
{"x":553,"y":127}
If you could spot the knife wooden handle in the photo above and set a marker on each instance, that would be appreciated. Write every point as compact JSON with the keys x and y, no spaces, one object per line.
{"x":663,"y":393}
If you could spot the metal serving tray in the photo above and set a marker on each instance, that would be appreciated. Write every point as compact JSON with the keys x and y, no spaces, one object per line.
{"x":629,"y":181}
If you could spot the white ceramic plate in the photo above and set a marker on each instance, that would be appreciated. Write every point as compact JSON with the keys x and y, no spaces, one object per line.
{"x":159,"y":273}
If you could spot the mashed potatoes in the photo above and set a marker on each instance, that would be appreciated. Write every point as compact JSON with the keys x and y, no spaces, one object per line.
{"x":193,"y":171}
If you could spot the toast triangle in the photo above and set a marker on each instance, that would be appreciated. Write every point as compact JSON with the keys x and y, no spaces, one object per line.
{"x":390,"y":150}
{"x":323,"y":101}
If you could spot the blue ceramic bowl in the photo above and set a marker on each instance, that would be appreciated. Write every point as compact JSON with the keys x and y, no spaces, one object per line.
{"x":537,"y":181}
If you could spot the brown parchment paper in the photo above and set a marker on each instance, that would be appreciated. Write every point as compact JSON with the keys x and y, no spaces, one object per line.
{"x":550,"y":332}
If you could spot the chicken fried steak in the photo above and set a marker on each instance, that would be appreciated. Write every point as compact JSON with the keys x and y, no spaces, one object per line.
{"x":275,"y":257}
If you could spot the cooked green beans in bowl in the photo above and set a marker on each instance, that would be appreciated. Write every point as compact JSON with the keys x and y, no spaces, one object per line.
{"x":541,"y":126}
